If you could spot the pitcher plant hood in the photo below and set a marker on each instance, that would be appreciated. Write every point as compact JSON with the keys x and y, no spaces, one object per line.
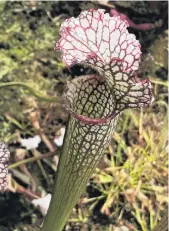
{"x":103,"y":42}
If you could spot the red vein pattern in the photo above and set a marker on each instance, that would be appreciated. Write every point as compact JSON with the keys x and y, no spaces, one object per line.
{"x":95,"y":35}
{"x":103,"y":42}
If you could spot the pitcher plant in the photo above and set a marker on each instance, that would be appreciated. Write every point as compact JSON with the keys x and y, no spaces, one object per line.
{"x":93,"y":101}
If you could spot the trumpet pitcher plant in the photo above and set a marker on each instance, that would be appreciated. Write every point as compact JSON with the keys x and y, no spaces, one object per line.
{"x":93,"y":101}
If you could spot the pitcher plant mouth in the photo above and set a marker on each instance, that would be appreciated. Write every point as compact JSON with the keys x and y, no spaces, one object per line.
{"x":85,"y":94}
{"x":89,"y":100}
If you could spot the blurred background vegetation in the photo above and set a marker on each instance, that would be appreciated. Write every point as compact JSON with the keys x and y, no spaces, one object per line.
{"x":128,"y":190}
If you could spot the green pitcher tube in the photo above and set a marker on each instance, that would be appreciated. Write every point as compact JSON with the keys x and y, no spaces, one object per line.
{"x":84,"y":144}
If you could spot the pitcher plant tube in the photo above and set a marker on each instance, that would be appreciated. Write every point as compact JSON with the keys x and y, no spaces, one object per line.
{"x":93,"y":101}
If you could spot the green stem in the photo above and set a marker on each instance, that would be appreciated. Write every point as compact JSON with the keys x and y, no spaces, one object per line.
{"x":52,"y":99}
{"x":157,"y":81}
{"x":31,"y":159}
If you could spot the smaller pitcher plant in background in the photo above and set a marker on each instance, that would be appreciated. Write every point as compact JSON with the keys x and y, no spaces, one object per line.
{"x":4,"y":161}
{"x":93,"y":101}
